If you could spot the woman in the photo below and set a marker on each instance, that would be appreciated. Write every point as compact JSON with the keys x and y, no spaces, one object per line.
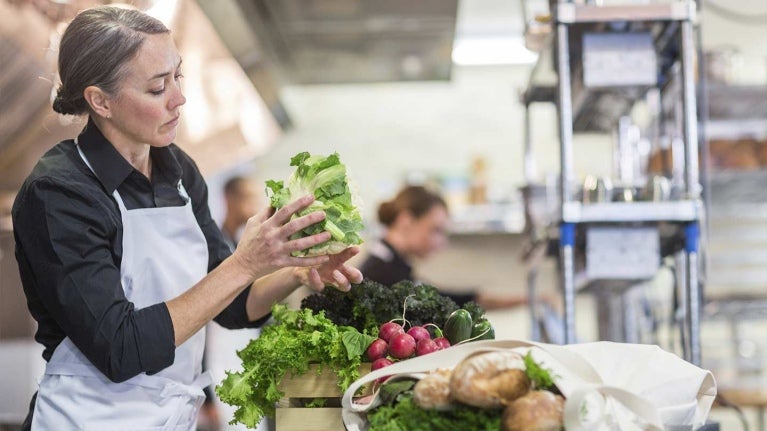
{"x":120,"y":260}
{"x":416,"y":222}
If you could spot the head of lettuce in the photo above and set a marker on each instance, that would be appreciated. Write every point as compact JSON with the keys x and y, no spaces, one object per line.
{"x":325,"y":178}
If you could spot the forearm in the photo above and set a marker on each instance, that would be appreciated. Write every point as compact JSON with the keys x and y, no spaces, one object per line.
{"x":197,"y":306}
{"x":270,"y":289}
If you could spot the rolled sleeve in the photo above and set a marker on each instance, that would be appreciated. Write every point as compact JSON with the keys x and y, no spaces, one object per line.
{"x":235,"y":315}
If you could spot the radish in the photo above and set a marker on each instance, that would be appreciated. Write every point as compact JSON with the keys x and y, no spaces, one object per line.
{"x":419,"y":333}
{"x":424,"y":347}
{"x":402,"y":346}
{"x":380,"y":363}
{"x":389,"y":330}
{"x":442,"y":342}
{"x":377,"y":349}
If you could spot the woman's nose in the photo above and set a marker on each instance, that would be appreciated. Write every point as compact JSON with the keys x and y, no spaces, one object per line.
{"x":177,"y":99}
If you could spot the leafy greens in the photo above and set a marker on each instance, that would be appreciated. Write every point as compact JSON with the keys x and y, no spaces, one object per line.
{"x":297,"y":339}
{"x":369,"y":304}
{"x":326,"y":179}
{"x":405,"y":415}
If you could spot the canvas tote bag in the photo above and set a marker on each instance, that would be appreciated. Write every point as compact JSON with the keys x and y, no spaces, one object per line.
{"x":607,"y":386}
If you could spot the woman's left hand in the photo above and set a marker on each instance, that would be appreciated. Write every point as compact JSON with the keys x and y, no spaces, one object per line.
{"x":335,"y":272}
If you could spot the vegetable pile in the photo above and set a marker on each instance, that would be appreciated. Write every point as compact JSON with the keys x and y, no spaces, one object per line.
{"x":297,"y":339}
{"x":339,"y":330}
{"x":325,"y":178}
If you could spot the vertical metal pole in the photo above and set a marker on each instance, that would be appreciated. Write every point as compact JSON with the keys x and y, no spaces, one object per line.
{"x":692,"y":186}
{"x":567,"y":230}
{"x":529,"y":161}
{"x":532,"y":303}
{"x":682,"y":310}
{"x":692,"y":233}
{"x":565,"y":113}
{"x":566,"y":249}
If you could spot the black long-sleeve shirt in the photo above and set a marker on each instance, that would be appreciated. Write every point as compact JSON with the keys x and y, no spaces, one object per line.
{"x":68,"y":233}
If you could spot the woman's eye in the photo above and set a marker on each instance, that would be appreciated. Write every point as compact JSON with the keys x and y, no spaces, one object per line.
{"x":158,"y":91}
{"x":179,"y":76}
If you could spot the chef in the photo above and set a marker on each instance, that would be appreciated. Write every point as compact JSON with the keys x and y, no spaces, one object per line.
{"x":121,"y":262}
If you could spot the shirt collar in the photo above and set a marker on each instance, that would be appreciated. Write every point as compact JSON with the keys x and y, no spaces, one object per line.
{"x":110,"y":166}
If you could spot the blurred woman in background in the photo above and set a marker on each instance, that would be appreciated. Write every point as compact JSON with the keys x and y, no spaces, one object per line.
{"x":416,"y":222}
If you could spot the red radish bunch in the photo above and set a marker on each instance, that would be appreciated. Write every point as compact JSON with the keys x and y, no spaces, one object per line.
{"x":393,"y":343}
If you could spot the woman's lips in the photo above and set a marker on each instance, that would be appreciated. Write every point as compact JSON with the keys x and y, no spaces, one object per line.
{"x":173,"y":122}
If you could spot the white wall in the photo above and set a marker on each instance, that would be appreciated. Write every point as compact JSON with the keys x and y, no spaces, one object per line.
{"x":385,"y":131}
{"x":750,"y":40}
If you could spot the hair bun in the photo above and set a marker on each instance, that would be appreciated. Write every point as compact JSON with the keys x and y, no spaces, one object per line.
{"x":64,"y":105}
{"x":387,"y":212}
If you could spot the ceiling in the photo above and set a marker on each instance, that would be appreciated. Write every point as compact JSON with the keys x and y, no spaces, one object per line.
{"x":361,"y":41}
{"x":357,"y":41}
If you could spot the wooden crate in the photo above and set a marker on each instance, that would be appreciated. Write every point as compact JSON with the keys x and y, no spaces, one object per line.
{"x":292,"y":416}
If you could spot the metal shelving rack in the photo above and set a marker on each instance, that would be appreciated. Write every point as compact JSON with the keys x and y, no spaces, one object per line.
{"x":672,"y":26}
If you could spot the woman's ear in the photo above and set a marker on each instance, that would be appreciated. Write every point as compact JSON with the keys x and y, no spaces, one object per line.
{"x":98,"y":101}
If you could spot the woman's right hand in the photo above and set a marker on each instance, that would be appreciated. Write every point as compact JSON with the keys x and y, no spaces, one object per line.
{"x":266,"y":246}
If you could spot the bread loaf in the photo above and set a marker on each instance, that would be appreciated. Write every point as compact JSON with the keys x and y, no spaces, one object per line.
{"x":433,"y":391}
{"x":489,"y":380}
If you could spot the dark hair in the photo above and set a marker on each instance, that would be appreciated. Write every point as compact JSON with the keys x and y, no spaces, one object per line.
{"x":416,"y":200}
{"x":94,"y":49}
{"x":234,"y":185}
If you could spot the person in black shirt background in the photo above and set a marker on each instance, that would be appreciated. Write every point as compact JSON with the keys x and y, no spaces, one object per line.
{"x":120,"y":261}
{"x":415,"y":223}
{"x":241,"y":197}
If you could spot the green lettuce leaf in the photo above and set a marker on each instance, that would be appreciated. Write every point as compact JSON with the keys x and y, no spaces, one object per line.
{"x":326,"y":179}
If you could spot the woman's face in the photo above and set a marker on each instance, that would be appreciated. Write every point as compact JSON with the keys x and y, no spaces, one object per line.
{"x":428,"y":234}
{"x":147,"y":106}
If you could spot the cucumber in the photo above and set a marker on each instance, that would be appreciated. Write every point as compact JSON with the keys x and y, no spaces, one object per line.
{"x":482,"y":330}
{"x":458,"y":326}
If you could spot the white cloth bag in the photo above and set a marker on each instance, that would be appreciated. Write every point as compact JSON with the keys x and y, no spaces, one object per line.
{"x":622,"y":386}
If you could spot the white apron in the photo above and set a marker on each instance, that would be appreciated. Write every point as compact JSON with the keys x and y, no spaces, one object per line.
{"x":164,"y":254}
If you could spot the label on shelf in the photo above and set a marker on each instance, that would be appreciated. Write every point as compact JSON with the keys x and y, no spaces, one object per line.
{"x":622,"y":252}
{"x":619,"y":59}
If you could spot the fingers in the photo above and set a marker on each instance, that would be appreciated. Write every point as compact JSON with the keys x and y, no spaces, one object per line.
{"x":341,"y":282}
{"x":315,"y":281}
{"x":352,"y":274}
{"x":263,"y":215}
{"x":306,"y":242}
{"x":347,"y":254}
{"x":308,"y":261}
{"x":283,"y":214}
{"x":301,"y":223}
